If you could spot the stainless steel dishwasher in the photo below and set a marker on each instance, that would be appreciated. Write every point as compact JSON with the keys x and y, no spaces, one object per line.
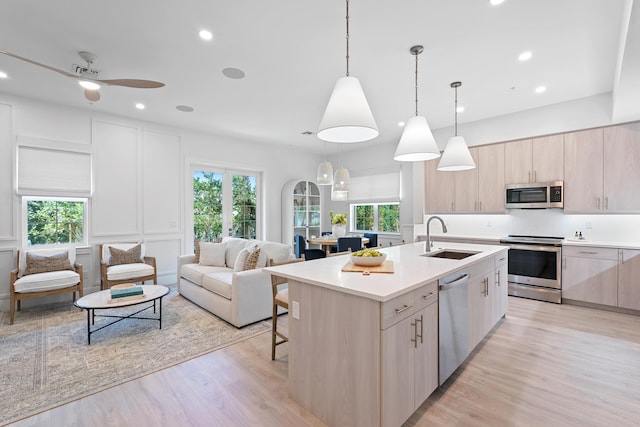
{"x":454,"y":322}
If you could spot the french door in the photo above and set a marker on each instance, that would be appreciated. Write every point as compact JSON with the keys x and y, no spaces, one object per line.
{"x":225,"y":203}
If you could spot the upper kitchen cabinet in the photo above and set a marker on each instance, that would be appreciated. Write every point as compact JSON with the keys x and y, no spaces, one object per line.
{"x":621,"y":171}
{"x":479,"y":190}
{"x":601,"y":173}
{"x":534,"y":160}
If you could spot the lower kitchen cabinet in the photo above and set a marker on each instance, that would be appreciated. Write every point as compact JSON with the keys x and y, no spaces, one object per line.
{"x":501,"y":288}
{"x":590,"y":274}
{"x":628,"y":284}
{"x":410,"y":358}
{"x":488,"y":292}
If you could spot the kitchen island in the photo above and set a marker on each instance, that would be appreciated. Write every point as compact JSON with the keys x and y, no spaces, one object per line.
{"x":363,"y":349}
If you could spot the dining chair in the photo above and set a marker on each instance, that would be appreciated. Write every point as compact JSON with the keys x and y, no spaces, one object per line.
{"x":333,"y":248}
{"x":373,"y":240}
{"x":352,"y":243}
{"x":280,"y":299}
{"x":302,"y":251}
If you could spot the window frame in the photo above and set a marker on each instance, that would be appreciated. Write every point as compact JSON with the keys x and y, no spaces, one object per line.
{"x":25,"y":226}
{"x":352,"y":220}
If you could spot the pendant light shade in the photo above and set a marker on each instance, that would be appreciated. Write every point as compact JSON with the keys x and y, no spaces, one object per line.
{"x":325,"y":174}
{"x":341,"y":180}
{"x":417,"y":142}
{"x":347,"y":117}
{"x":456,"y":156}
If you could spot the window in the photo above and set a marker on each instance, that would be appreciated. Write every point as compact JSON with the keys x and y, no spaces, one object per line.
{"x":376,"y":217}
{"x":54,"y":221}
{"x":224,"y":203}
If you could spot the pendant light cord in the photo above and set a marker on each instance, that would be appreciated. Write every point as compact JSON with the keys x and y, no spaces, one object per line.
{"x":455,"y":111}
{"x":416,"y":83}
{"x":347,"y":17}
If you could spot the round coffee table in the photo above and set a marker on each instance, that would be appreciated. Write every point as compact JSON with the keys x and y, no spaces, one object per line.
{"x":102,"y":301}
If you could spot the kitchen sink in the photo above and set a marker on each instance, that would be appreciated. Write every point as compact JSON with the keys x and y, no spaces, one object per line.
{"x":450,"y":254}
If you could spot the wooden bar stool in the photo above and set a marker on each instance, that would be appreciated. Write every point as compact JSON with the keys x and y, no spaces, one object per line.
{"x":280,"y":299}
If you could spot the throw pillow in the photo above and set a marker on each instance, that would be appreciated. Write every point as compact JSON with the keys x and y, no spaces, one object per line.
{"x":212,"y":254}
{"x":44,"y":264}
{"x":130,"y":256}
{"x":197,"y":250}
{"x":252,"y":260}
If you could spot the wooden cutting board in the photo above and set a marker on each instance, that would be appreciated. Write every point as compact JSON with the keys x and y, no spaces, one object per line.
{"x":385,"y":267}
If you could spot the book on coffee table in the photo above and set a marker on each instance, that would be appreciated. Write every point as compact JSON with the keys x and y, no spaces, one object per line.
{"x":126,"y":292}
{"x":127,"y":298}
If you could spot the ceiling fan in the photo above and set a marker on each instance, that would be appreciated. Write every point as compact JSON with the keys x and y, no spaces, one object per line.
{"x":87,"y":76}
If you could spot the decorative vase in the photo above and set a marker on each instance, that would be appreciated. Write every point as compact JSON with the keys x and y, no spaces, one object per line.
{"x":339,"y":230}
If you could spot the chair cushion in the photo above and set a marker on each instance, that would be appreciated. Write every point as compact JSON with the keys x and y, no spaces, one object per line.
{"x":282,"y":298}
{"x":42,"y":263}
{"x":46,"y":281}
{"x":129,"y":256}
{"x":212,"y":254}
{"x":128,"y":271}
{"x":22,"y":255}
{"x":106,"y":253}
{"x":219,"y":283}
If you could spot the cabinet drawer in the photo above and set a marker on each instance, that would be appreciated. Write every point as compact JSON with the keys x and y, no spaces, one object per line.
{"x":396,"y":309}
{"x":426,"y":295}
{"x":500,"y":259}
{"x":590,"y":252}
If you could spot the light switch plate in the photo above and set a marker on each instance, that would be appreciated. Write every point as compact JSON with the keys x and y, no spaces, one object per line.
{"x":295,"y":307}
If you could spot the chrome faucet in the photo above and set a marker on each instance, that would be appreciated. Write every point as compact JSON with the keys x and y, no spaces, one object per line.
{"x":444,"y":230}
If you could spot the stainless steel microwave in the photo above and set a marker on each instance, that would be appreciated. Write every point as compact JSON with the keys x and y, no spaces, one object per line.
{"x":534,"y":196}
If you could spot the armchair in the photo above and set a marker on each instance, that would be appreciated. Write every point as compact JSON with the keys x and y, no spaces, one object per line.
{"x":43,"y":272}
{"x":125,"y":263}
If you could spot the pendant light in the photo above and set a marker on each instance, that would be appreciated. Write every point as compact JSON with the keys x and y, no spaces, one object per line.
{"x":348,"y":117}
{"x":417,"y":142}
{"x":324,"y":176}
{"x":456,"y":156}
{"x":341,"y":178}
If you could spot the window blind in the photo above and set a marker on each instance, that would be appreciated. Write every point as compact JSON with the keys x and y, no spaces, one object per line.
{"x":382,"y":186}
{"x":53,"y":172}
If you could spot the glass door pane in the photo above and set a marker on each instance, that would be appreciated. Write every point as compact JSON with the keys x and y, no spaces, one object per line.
{"x":207,"y":205}
{"x":244,"y":206}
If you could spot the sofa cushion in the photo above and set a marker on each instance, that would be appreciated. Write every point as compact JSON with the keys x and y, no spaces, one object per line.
{"x":219,"y":283}
{"x":129,"y":256}
{"x":128,"y":271}
{"x":46,"y":281}
{"x":195,"y":272}
{"x":212,"y":254}
{"x":234,"y":246}
{"x":42,"y":263}
{"x":274,"y":250}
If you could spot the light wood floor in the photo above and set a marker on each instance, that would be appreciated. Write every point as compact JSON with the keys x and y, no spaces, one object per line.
{"x":543,"y":365}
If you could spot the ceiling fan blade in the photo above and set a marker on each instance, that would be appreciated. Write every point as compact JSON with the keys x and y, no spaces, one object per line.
{"x":13,"y":55}
{"x":136,"y":83}
{"x":92,"y":95}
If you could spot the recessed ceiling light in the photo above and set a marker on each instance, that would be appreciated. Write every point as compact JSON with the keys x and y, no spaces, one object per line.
{"x":233,"y":73}
{"x":184,"y":108}
{"x":3,"y":75}
{"x":524,"y":56}
{"x":205,"y":35}
{"x":496,"y":2}
{"x":140,"y":106}
{"x":400,"y":124}
{"x":540,"y":89}
{"x":460,"y":109}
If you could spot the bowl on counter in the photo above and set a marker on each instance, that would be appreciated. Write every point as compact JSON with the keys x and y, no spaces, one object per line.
{"x":368,"y":261}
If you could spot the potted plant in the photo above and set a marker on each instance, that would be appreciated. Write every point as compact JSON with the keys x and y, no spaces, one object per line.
{"x":338,"y":223}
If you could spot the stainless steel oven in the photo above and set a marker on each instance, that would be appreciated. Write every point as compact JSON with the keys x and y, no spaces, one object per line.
{"x":534,"y":269}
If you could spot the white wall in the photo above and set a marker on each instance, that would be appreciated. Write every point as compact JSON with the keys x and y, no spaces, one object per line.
{"x":140,"y":174}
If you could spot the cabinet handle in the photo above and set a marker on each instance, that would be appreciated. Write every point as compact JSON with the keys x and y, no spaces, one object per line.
{"x":452,"y":209}
{"x":598,"y":202}
{"x":475,"y":205}
{"x":529,"y":178}
{"x":421,"y":327}
{"x":621,"y":256}
{"x":480,"y":205}
{"x":564,"y":263}
{"x":588,"y":252}
{"x":486,"y":283}
{"x":535,"y":176}
{"x":404,"y":308}
{"x":414,"y":340}
{"x":429,"y":295}
{"x":497,"y":277}
{"x":606,"y":203}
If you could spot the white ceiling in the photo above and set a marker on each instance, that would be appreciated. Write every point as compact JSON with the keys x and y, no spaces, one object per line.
{"x":293,"y":51}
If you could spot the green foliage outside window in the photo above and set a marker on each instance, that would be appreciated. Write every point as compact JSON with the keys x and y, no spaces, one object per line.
{"x":389,"y":218}
{"x":375,"y":217}
{"x":244,"y":206}
{"x":52,"y":222}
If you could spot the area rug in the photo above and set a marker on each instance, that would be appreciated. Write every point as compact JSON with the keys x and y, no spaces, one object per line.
{"x":45,"y":360}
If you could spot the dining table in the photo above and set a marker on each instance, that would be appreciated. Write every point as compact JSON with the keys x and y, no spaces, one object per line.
{"x":328,"y":241}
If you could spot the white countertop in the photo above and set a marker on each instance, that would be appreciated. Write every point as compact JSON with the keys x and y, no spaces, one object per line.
{"x":601,"y":244}
{"x":410,"y":270}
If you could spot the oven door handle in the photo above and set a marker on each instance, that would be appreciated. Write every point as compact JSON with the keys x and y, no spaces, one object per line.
{"x":537,"y":248}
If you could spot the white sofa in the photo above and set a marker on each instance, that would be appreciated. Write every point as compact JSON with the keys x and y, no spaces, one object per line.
{"x":219,"y":284}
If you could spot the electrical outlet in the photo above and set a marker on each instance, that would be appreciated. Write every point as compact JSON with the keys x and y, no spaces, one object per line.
{"x":589,"y":225}
{"x":295,"y":307}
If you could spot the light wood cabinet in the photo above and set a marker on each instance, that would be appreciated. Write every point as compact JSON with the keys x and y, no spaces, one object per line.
{"x":487,"y":297}
{"x":409,"y":355}
{"x":501,"y":287}
{"x":583,"y":171}
{"x":534,"y":160}
{"x":479,"y":190}
{"x":621,"y":171}
{"x":628,"y":283}
{"x":590,"y":274}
